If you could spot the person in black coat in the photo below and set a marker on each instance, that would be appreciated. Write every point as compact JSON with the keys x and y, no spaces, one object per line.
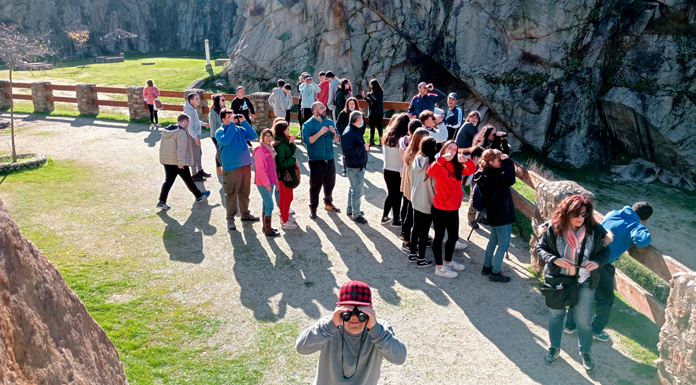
{"x":465,"y":135}
{"x":342,"y":121}
{"x":575,"y":245}
{"x":355,"y":159}
{"x":494,"y":178}
{"x":375,"y":98}
{"x":490,"y":137}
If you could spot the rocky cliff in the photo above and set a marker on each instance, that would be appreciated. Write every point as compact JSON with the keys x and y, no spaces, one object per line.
{"x":579,"y":81}
{"x":46,"y":334}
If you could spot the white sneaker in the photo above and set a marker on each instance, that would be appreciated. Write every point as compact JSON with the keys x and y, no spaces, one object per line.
{"x":291,"y":211}
{"x":152,"y":126}
{"x":446,"y":272}
{"x":158,"y":125}
{"x":455,"y":266}
{"x":460,"y":246}
{"x":288,"y":225}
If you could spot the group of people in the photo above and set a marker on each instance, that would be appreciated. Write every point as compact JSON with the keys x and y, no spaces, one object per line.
{"x":430,"y":155}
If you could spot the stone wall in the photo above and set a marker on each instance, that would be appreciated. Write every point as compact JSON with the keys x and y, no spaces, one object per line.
{"x":5,"y":92}
{"x":677,"y":362}
{"x":86,"y":99}
{"x":547,"y":197}
{"x":137,"y":109}
{"x":47,"y":335}
{"x":42,"y":96}
{"x":262,"y":109}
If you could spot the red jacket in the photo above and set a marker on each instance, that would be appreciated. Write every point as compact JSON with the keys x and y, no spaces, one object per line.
{"x":323,"y":95}
{"x":448,"y":189}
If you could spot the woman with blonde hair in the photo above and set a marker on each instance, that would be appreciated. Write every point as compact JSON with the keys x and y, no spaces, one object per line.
{"x":409,"y":156}
{"x":396,"y":129}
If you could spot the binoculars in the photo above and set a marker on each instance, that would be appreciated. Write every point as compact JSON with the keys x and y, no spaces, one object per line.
{"x":346,"y":315}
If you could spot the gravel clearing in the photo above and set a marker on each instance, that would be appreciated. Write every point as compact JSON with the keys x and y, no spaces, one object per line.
{"x":461,"y":331}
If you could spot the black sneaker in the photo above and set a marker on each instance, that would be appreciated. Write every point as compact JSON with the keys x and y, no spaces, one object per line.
{"x":498,"y":277}
{"x":406,"y":248}
{"x":587,"y":362}
{"x":360,"y":220}
{"x":552,"y":355}
{"x":343,"y":174}
{"x":429,"y":243}
{"x":396,"y":223}
{"x":474,"y":225}
{"x":312,"y":213}
{"x":412,"y":257}
{"x":487,"y":270}
{"x":204,"y":174}
{"x":198,"y":178}
{"x":401,"y":235}
{"x":423,"y":263}
{"x":385,"y":220}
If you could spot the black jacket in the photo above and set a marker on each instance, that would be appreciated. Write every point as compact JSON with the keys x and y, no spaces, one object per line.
{"x":342,"y":121}
{"x":353,"y":145}
{"x":547,"y":250}
{"x":375,"y":100}
{"x":237,"y":105}
{"x":465,"y":135}
{"x":497,"y":144}
{"x":495,"y":186}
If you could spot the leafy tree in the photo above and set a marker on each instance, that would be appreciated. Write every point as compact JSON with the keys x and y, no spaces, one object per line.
{"x":79,"y":38}
{"x":17,"y":48}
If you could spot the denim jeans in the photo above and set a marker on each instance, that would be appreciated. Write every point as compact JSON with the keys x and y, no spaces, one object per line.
{"x":604,"y":300}
{"x":500,"y":236}
{"x":267,"y":197}
{"x":583,"y":319}
{"x":356,"y":177}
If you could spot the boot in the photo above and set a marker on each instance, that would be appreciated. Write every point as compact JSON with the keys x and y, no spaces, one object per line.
{"x":263,"y":224}
{"x":270,"y":231}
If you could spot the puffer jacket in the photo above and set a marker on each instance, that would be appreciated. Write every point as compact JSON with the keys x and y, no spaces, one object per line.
{"x":174,"y":147}
{"x":547,"y":250}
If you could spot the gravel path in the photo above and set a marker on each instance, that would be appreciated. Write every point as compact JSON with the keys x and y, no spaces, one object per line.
{"x":461,"y":331}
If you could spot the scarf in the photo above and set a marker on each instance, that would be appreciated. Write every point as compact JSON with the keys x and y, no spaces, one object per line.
{"x":572,"y":247}
{"x":269,"y":148}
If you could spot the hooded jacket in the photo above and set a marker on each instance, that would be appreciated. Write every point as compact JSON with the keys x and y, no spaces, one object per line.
{"x":278,"y":100}
{"x":448,"y":189}
{"x":422,"y":186}
{"x":194,"y":127}
{"x":232,"y":141}
{"x":495,"y":186}
{"x":174,"y":147}
{"x":627,"y":229}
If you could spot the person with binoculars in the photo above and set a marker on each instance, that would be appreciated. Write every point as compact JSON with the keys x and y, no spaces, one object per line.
{"x":352,"y":342}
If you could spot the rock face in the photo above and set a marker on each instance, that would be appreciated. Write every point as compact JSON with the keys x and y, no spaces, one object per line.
{"x":578,"y":81}
{"x":677,"y":362}
{"x":46,"y":334}
{"x":547,"y":197}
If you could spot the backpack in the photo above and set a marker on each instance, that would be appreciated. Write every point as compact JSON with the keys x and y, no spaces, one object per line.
{"x":477,"y":199}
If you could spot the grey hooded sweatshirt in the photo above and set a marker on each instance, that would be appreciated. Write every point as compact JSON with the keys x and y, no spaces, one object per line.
{"x":324,"y":337}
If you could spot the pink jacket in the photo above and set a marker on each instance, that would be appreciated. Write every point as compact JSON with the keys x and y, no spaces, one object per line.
{"x":264,"y":163}
{"x":150,"y":93}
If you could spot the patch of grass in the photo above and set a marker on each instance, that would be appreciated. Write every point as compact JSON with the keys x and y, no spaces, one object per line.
{"x":638,"y":334}
{"x":644,"y":277}
{"x":63,"y":109}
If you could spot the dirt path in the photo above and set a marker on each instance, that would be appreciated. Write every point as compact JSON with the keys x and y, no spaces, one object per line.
{"x":461,"y":331}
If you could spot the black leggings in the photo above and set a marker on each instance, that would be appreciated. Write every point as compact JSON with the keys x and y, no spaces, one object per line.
{"x":218,"y":163}
{"x":407,"y":220}
{"x":445,"y":220}
{"x":153,"y":114}
{"x":171,"y":172}
{"x":375,"y":122}
{"x":421,"y":227}
{"x":393,"y":201}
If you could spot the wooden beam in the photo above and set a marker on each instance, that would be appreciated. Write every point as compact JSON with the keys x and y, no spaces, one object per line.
{"x":21,"y":85}
{"x":21,"y":97}
{"x":63,"y":99}
{"x":643,"y":301}
{"x":109,"y":90}
{"x":112,"y":103}
{"x":58,"y":87}
{"x":529,"y":177}
{"x":172,"y":94}
{"x":523,"y":204}
{"x":662,"y":265}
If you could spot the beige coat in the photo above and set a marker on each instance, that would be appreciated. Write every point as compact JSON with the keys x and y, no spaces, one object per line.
{"x":174,"y":147}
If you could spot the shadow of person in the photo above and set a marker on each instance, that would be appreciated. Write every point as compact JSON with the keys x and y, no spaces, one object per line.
{"x":184,"y":243}
{"x":153,"y":138}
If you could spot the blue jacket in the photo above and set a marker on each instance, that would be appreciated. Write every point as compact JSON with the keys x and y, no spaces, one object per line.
{"x":426,"y":102}
{"x":309,"y":94}
{"x":454,"y":118}
{"x":322,"y":149}
{"x":627,"y":229}
{"x":353,"y":145}
{"x":232,"y":140}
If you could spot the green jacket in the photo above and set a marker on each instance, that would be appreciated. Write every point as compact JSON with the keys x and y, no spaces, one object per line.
{"x":285,"y":153}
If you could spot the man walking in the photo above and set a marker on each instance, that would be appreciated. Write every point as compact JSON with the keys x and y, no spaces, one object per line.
{"x":425,"y":100}
{"x":277,"y":99}
{"x":355,"y":157}
{"x":628,"y":228}
{"x":352,"y":342}
{"x":318,"y":134}
{"x":236,"y":164}
{"x":176,"y":157}
{"x":194,"y":131}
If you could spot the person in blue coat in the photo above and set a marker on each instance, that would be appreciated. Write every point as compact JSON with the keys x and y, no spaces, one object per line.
{"x":355,"y":152}
{"x":628,"y":227}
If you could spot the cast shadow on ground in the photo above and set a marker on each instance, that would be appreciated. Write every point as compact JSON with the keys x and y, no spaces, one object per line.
{"x":288,"y":280}
{"x":184,"y":242}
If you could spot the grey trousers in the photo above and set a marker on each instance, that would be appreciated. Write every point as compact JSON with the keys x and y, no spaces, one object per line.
{"x":197,"y":153}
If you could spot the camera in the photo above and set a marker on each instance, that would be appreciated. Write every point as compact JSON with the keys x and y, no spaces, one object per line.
{"x":238,"y":116}
{"x":346,"y":315}
{"x":501,"y":134}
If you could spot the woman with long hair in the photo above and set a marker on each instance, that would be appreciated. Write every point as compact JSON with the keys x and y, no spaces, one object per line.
{"x":396,"y":129}
{"x":215,"y":123}
{"x":490,"y":137}
{"x":375,"y":99}
{"x":266,"y":178}
{"x":495,"y":176}
{"x":422,"y":194}
{"x":575,"y":245}
{"x":448,"y":171}
{"x":409,"y":156}
{"x":465,"y":135}
{"x":343,"y":119}
{"x":344,"y":92}
{"x":284,"y":145}
{"x":150,"y":93}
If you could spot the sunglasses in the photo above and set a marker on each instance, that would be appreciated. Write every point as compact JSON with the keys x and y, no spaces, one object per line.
{"x":586,"y":214}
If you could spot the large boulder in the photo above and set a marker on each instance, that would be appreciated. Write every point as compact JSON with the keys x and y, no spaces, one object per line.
{"x":46,"y":334}
{"x":677,"y":362}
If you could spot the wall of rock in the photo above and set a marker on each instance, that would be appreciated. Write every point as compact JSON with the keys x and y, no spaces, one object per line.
{"x":46,"y":334}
